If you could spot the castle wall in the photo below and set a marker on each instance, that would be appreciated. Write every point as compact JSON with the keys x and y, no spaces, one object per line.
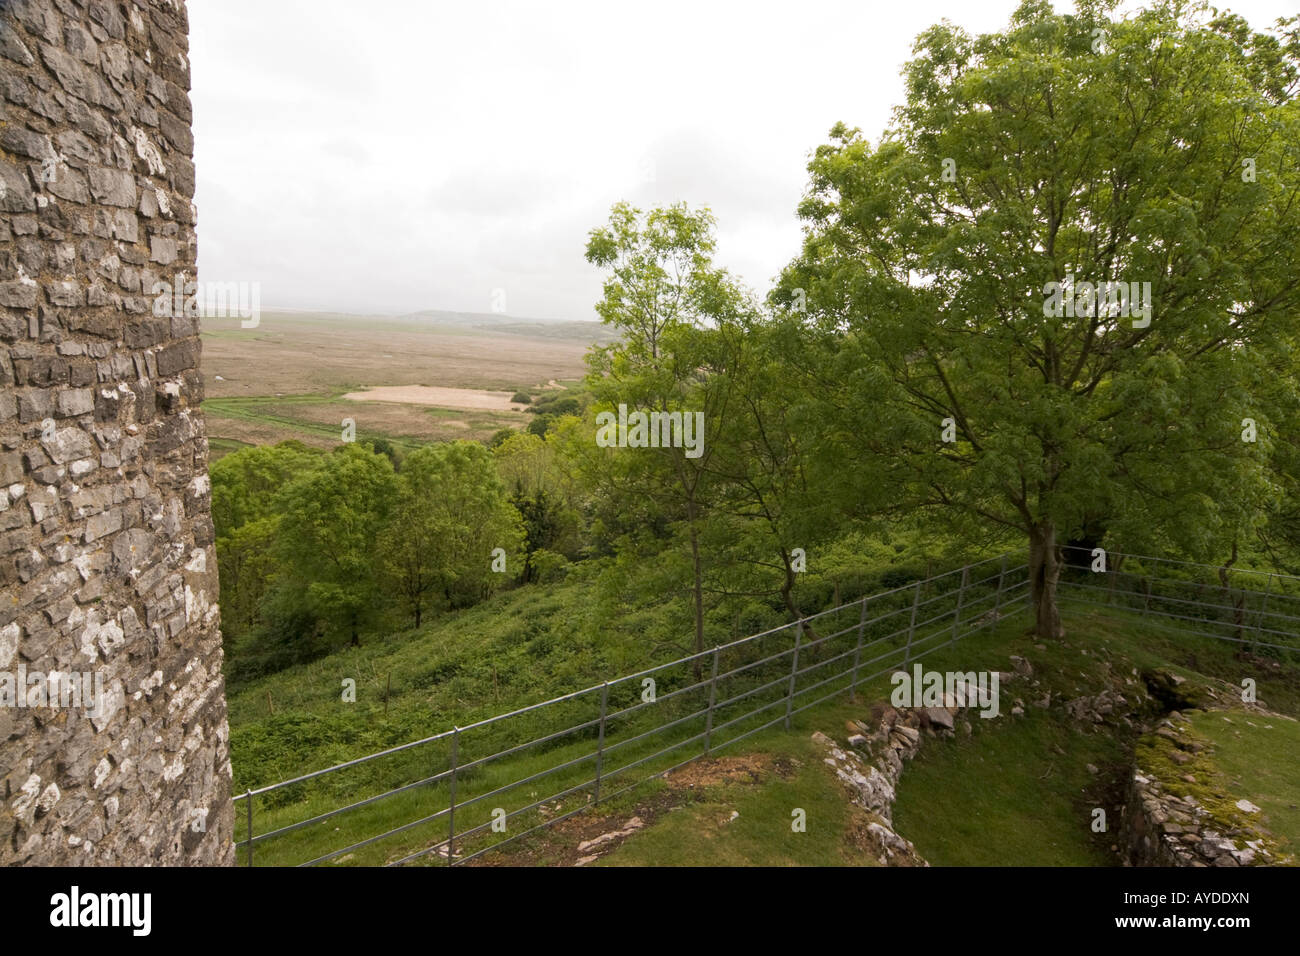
{"x":107,"y":565}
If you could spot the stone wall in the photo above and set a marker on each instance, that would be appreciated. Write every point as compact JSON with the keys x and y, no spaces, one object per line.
{"x":872,"y":763}
{"x":107,"y":565}
{"x":1165,"y":824}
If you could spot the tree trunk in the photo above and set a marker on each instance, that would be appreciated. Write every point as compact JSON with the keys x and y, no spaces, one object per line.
{"x":787,"y":594}
{"x":356,"y":638}
{"x":417,"y":617}
{"x":1044,"y":572}
{"x":699,"y":595}
{"x":1239,"y":615}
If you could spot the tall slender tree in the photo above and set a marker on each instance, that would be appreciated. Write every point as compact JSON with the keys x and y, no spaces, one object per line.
{"x":667,"y":298}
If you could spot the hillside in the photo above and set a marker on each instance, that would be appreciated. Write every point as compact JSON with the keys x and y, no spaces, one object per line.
{"x":1019,"y":789}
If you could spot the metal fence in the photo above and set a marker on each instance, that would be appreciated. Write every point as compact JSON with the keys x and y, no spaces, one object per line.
{"x":1258,"y":608}
{"x":601,"y":742}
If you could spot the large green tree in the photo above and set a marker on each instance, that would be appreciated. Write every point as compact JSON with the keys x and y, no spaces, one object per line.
{"x":543,"y":490}
{"x":1161,"y":148}
{"x":330,"y":519}
{"x":772,"y":465}
{"x":244,"y":488}
{"x":450,"y":514}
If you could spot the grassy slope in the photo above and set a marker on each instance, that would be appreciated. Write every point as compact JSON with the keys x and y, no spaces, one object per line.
{"x":220,"y":447}
{"x":501,"y":654}
{"x":1017,"y":791}
{"x":787,"y":775}
{"x":1018,"y":795}
{"x":1260,"y":757}
{"x":519,"y":647}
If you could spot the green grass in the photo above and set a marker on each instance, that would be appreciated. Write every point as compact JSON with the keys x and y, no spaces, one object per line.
{"x":254,"y":409}
{"x":701,"y":832}
{"x":219,"y":447}
{"x":1006,"y":797}
{"x":269,"y":410}
{"x":1260,"y":756}
{"x":1019,"y":792}
{"x":630,"y":766}
{"x":458,"y":668}
{"x":519,"y":647}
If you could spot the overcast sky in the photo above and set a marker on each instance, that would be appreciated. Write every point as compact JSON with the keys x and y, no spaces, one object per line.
{"x":395,"y":155}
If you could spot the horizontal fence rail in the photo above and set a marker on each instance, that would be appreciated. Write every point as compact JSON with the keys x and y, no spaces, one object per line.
{"x":459,"y":794}
{"x":1238,"y":605}
{"x":466,"y":791}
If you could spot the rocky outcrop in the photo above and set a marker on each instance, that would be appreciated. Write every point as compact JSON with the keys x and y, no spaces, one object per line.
{"x":872,"y":789}
{"x":1175,"y":812}
{"x":606,"y":840}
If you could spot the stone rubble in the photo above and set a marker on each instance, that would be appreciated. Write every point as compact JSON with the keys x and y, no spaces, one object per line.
{"x":877,"y":750}
{"x":632,"y":825}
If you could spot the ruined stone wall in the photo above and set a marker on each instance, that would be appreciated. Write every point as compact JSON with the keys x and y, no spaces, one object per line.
{"x":107,"y":566}
{"x":1162,"y":827}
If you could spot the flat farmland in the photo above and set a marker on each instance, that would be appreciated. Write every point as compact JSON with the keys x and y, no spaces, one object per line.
{"x":411,"y":379}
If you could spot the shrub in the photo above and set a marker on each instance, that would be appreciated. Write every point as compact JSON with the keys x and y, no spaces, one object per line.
{"x":548,"y":566}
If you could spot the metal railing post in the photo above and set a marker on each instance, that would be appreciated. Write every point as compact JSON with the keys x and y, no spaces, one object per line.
{"x":713,"y":697}
{"x":248,"y":796}
{"x":997,"y":599}
{"x":600,"y":745}
{"x":961,"y":593}
{"x":1263,"y":607}
{"x":857,"y":652}
{"x":451,"y":811}
{"x":794,"y":673}
{"x":911,"y":628}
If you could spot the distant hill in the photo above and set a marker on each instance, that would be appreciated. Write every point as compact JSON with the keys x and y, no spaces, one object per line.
{"x":567,"y":329}
{"x":556,"y":330}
